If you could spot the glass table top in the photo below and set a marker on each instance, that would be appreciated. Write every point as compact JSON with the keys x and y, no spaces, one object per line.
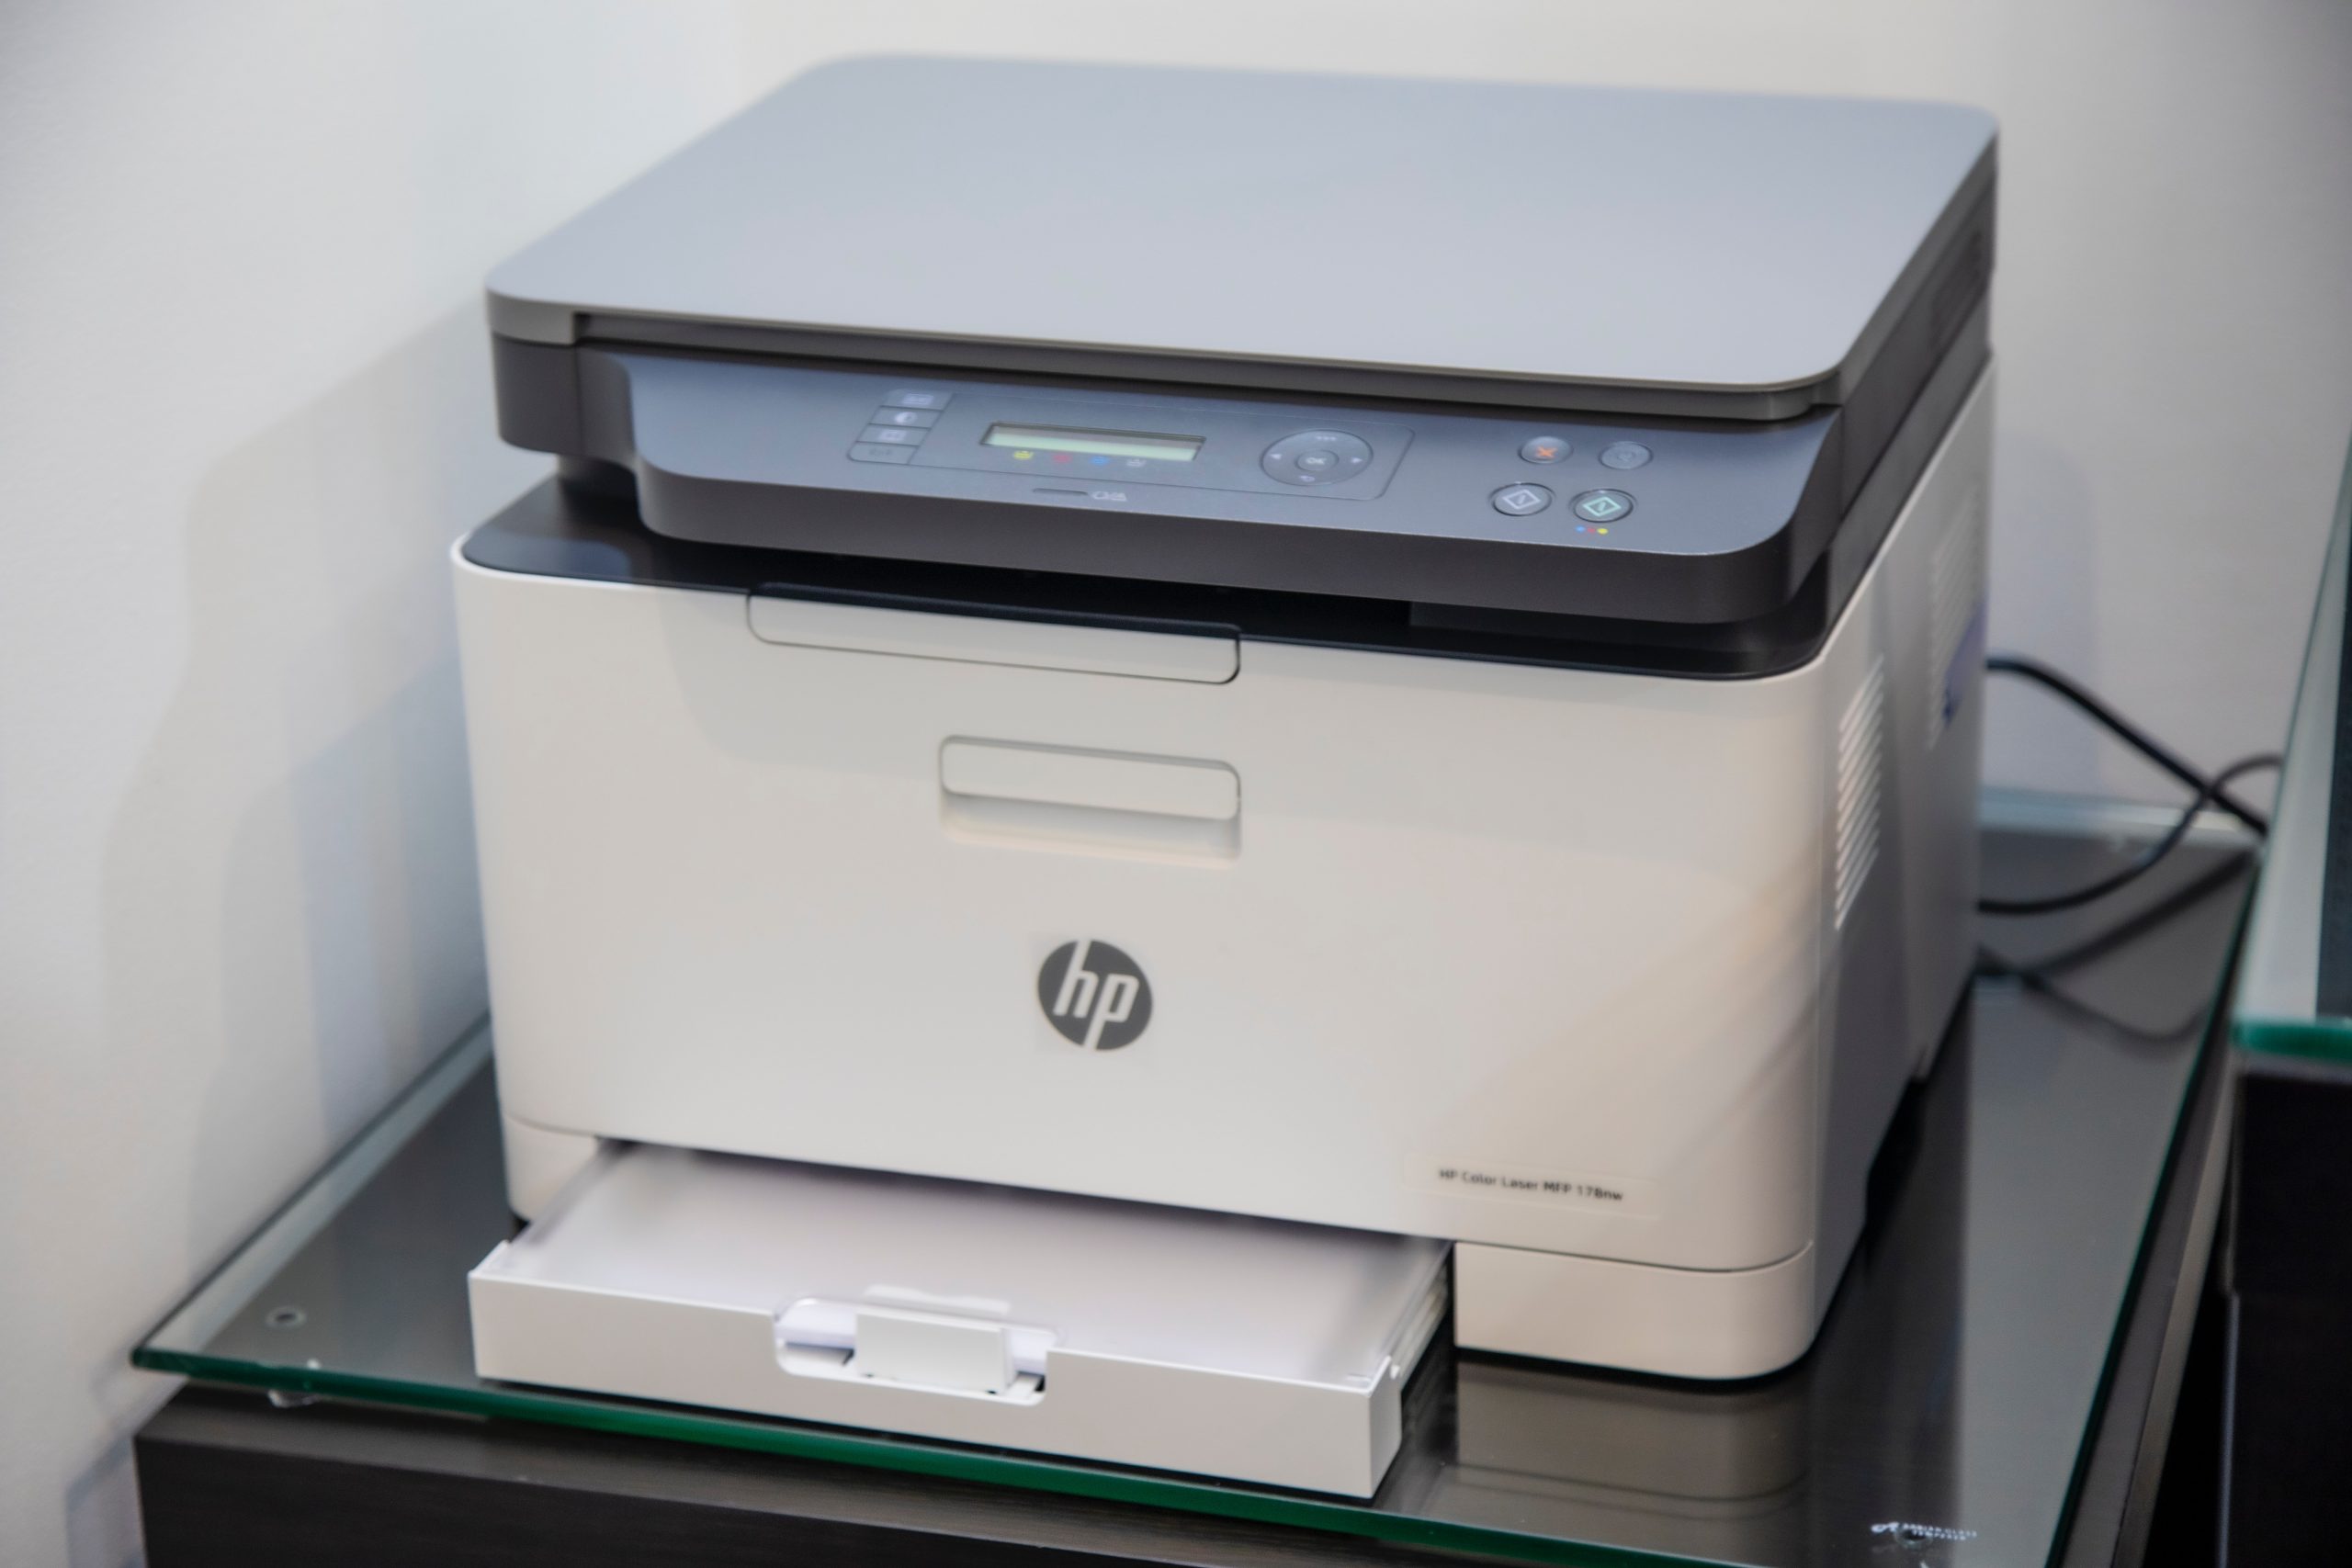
{"x":1942,"y":1416}
{"x":2294,"y":992}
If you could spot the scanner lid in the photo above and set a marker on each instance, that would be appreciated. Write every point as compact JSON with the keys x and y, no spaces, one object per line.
{"x":1711,"y":255}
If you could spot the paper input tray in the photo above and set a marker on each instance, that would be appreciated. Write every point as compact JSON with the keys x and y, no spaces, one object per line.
{"x":1223,"y":1346}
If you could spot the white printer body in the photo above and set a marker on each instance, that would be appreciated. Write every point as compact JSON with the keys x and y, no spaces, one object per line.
{"x":1255,"y":704}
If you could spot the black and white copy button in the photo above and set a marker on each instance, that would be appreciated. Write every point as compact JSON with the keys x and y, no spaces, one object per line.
{"x":1520,"y":501}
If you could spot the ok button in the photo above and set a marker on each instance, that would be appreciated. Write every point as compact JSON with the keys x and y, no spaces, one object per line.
{"x":1520,"y":501}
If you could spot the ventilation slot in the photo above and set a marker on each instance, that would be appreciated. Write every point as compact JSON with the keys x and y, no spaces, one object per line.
{"x":1860,"y":742}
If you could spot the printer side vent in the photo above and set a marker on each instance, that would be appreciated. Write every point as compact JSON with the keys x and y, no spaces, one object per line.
{"x":1860,"y":747}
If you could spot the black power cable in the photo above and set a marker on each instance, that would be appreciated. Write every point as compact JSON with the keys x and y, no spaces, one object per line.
{"x":2131,"y":733}
{"x":2207,"y":793}
{"x":2042,"y":976}
{"x":2213,"y":791}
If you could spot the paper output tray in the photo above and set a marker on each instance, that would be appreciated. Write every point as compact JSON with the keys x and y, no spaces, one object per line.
{"x":1215,"y":1343}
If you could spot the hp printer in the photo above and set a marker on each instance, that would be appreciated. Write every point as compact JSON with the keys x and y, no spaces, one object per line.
{"x":1156,"y":715}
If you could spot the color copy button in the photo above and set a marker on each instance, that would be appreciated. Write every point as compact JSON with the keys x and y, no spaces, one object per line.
{"x":1624,"y":454}
{"x":1602,"y":505}
{"x":1520,"y":501}
{"x":915,"y":399}
{"x":1544,"y":448}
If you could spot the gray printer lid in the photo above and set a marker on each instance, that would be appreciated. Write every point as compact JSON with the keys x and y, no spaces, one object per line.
{"x":1704,"y":253}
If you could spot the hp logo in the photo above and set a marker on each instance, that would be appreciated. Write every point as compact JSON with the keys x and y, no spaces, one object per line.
{"x":1095,"y":995}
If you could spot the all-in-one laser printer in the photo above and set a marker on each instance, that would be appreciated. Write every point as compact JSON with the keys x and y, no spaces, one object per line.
{"x":1158,"y":715}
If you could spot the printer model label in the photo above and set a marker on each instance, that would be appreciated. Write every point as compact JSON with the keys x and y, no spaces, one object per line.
{"x":1095,"y":995}
{"x":1607,"y":1194}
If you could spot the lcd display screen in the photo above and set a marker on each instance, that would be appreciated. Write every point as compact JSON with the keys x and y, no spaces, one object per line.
{"x":1093,"y":442}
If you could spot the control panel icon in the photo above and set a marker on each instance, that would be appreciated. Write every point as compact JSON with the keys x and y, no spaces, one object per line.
{"x":1316,"y":456}
{"x":1521,"y":501}
{"x":1603,"y":505}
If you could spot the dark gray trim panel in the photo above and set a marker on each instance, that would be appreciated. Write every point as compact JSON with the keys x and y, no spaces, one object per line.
{"x":584,"y":528}
{"x":719,"y":469}
{"x":1246,"y":375}
{"x":587,"y":526}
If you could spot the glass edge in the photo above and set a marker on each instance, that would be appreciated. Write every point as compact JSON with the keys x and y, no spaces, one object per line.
{"x":2324,"y":1039}
{"x":318,"y":1200}
{"x":2212,"y":1034}
{"x":226,"y":1289}
{"x":2303,"y":806}
{"x":2015,"y":808}
{"x":1331,"y":1517}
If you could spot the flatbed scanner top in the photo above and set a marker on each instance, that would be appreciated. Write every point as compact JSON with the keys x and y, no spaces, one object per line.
{"x":1729,"y":255}
{"x":1475,"y":353}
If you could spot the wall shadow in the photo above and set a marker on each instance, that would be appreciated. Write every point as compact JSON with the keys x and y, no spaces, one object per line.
{"x":291,"y":925}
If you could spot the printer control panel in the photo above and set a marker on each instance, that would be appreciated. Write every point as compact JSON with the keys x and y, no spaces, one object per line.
{"x":1439,"y":502}
{"x":1079,"y":441}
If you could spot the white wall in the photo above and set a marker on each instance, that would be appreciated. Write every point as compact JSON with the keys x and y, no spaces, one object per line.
{"x":242,"y":411}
